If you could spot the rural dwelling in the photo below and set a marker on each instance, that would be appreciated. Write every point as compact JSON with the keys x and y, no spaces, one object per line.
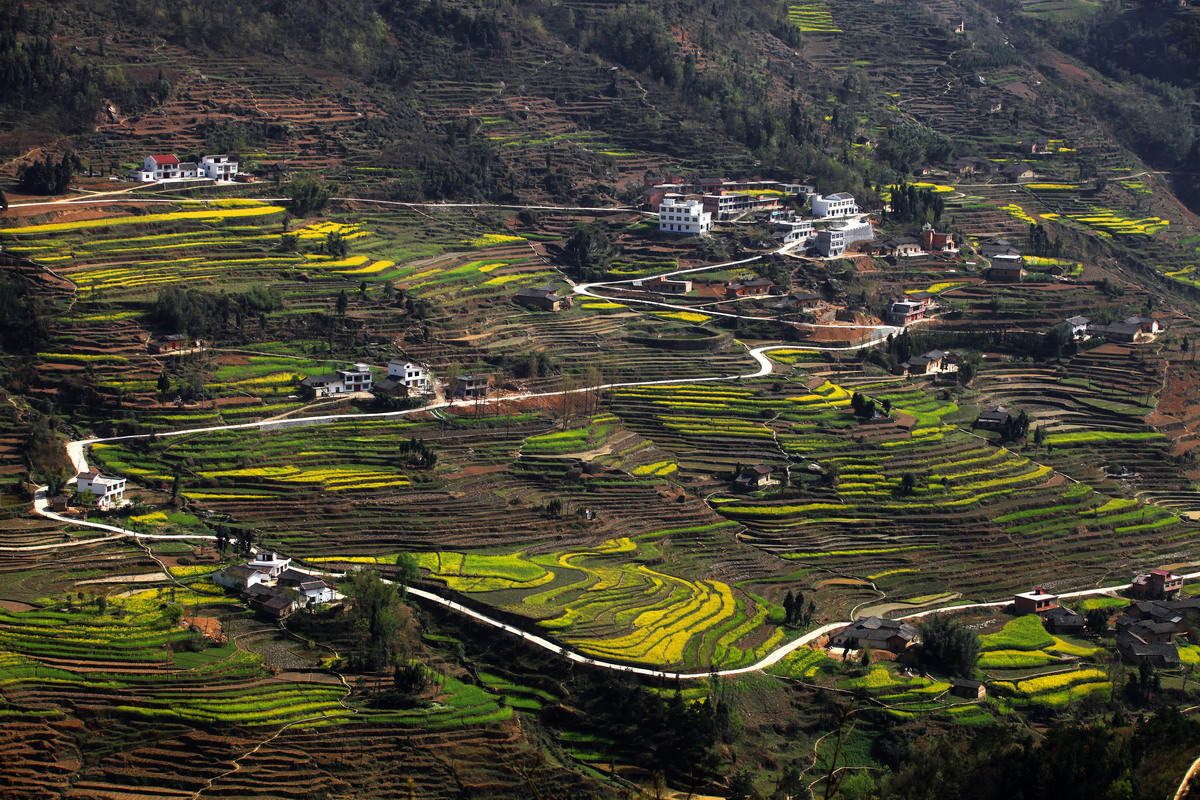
{"x":472,"y":387}
{"x":1035,"y":602}
{"x":892,"y":635}
{"x":905,"y":310}
{"x":541,"y":298}
{"x":752,"y":478}
{"x":834,"y":205}
{"x":969,"y":689}
{"x":754,"y":288}
{"x":1148,"y":325}
{"x":274,"y":602}
{"x":801,"y":301}
{"x":316,"y":591}
{"x":157,"y":168}
{"x":1118,"y":331}
{"x":170,"y":168}
{"x":1156,"y":611}
{"x":1158,"y":584}
{"x":414,"y":376}
{"x":269,"y":563}
{"x":1144,"y":640}
{"x":668,"y":286}
{"x":788,"y":231}
{"x":1037,"y":147}
{"x":931,"y":363}
{"x":998,"y":247}
{"x":58,"y":504}
{"x":934,"y":242}
{"x":725,"y":206}
{"x":1007,"y":268}
{"x":218,"y":167}
{"x":1061,"y":619}
{"x":1078,"y":326}
{"x":689,"y":217}
{"x":830,"y":242}
{"x":1018,"y":172}
{"x":239,"y":577}
{"x":972,"y":165}
{"x":993,"y":419}
{"x":108,"y":491}
{"x":898,"y":246}
{"x":168,"y":344}
{"x":356,"y":379}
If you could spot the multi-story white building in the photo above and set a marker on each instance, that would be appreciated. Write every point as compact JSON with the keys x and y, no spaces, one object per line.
{"x":415,"y":377}
{"x":831,"y":242}
{"x":683,"y":216}
{"x":834,"y":205}
{"x":109,"y":492}
{"x":219,"y":167}
{"x":834,"y":240}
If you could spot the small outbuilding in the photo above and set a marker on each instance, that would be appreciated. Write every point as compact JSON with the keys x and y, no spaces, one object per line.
{"x":967,"y":688}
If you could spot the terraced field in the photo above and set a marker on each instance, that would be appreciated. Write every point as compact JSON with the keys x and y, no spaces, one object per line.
{"x":988,"y":516}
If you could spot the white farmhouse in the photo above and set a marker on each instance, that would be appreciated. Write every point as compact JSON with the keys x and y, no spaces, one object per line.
{"x":170,"y":168}
{"x":684,"y":216}
{"x":834,"y":205}
{"x":415,"y":377}
{"x":218,"y":167}
{"x":109,"y":492}
{"x":158,"y":168}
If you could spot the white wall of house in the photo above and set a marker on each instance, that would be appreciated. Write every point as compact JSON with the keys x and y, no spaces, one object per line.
{"x":684,"y":216}
{"x":834,"y":205}
{"x":414,"y":376}
{"x":109,"y":492}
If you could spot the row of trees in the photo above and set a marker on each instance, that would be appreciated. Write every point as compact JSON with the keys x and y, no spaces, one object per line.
{"x":202,"y":314}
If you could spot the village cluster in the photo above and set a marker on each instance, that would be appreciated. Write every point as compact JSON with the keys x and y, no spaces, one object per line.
{"x":270,"y":584}
{"x":1146,"y":630}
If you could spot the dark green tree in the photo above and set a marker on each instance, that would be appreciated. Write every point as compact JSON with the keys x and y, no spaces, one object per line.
{"x":949,"y":645}
{"x":308,"y":195}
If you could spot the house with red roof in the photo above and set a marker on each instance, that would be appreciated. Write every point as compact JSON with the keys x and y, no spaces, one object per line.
{"x":170,"y":168}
